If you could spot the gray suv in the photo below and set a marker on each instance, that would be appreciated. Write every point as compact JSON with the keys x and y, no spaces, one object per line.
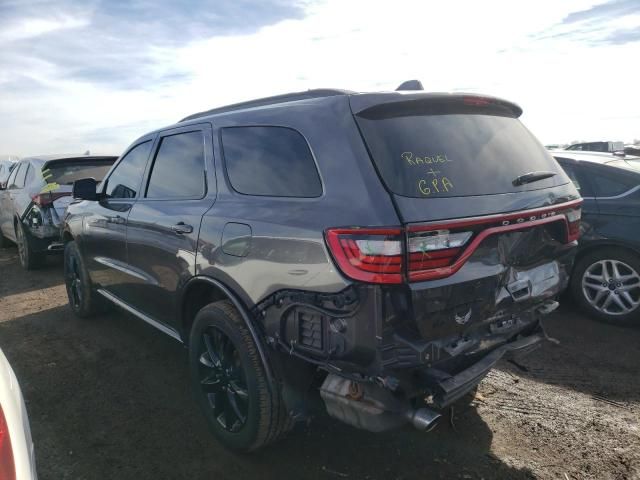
{"x":371,"y":254}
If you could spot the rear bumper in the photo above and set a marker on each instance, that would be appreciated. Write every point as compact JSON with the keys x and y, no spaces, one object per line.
{"x":446,"y":389}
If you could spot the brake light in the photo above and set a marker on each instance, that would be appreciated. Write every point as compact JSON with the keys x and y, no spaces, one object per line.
{"x":434,"y":249}
{"x":371,"y":255}
{"x":43,"y":199}
{"x":476,"y":101}
{"x":7,"y":466}
{"x":438,"y":249}
{"x":573,"y":222}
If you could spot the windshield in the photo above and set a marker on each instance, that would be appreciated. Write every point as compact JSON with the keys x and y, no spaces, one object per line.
{"x":455,"y":155}
{"x":68,"y":172}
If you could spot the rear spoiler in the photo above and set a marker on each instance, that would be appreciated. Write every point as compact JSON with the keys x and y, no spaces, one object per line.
{"x":376,"y":105}
{"x":62,"y":161}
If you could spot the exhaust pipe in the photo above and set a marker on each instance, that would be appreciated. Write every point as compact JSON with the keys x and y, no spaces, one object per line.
{"x":424,"y":419}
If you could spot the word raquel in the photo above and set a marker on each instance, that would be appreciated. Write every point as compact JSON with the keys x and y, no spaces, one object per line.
{"x":411,"y":159}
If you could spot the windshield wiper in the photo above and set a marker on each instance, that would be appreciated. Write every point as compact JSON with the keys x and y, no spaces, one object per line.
{"x":531,"y":177}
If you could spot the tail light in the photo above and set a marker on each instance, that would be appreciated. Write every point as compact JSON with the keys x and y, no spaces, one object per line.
{"x":573,"y":221}
{"x":371,"y":255}
{"x":435,"y":250}
{"x":7,"y":466}
{"x":43,"y":199}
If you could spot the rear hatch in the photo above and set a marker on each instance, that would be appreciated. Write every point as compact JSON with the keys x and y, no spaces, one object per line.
{"x":59,"y":176}
{"x":489,"y":218}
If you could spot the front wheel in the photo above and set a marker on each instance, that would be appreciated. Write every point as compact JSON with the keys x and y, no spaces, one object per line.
{"x":244,"y":412}
{"x":606,"y":284}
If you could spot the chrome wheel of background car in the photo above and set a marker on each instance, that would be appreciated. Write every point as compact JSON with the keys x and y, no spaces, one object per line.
{"x":223,"y":380}
{"x":612,"y":287}
{"x":74,"y":281}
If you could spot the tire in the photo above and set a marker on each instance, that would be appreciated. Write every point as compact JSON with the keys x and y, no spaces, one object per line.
{"x":84,"y":301}
{"x":606,"y":293}
{"x":227,"y":371}
{"x":29,"y":258}
{"x":4,"y":241}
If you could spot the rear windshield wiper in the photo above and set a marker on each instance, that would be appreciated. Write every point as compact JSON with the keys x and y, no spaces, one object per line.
{"x":531,"y":177}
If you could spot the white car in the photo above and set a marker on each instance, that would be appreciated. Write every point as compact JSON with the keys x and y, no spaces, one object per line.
{"x":17,"y":459}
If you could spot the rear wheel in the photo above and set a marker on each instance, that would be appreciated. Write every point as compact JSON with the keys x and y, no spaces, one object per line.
{"x":4,"y":241}
{"x":230,"y":382}
{"x":29,"y":258}
{"x":83,"y":299}
{"x":606,"y":284}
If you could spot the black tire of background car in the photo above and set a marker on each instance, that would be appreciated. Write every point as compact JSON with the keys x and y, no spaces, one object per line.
{"x":91,"y":302}
{"x":267,"y":420}
{"x":29,"y":258}
{"x":4,"y":241}
{"x":605,"y":253}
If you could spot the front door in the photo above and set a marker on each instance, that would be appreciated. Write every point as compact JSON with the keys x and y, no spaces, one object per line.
{"x":163,"y":225}
{"x":103,"y":242}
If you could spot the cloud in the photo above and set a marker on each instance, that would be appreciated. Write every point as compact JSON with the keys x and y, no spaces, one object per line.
{"x":81,"y":75}
{"x":604,"y":12}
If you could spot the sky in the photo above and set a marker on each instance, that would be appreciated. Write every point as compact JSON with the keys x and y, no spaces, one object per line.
{"x":94,"y":75}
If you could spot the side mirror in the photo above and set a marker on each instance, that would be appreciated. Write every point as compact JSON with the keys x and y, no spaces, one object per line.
{"x":85,"y":189}
{"x":3,"y":186}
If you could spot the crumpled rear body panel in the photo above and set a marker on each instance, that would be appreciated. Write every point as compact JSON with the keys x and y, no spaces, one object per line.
{"x":508,"y":274}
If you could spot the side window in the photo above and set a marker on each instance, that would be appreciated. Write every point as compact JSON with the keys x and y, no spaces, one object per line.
{"x":576,"y":175}
{"x":274,"y":161}
{"x":611,"y":184}
{"x":22,"y":173}
{"x":12,"y":178}
{"x":31,"y":175}
{"x":125,"y":180}
{"x":178,"y":168}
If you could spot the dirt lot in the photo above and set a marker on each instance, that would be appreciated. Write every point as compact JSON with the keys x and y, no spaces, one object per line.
{"x":109,"y":399}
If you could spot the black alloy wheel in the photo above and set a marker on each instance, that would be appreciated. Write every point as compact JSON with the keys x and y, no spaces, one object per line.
{"x":223,"y":380}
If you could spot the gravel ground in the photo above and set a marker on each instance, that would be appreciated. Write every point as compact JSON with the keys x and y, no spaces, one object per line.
{"x":109,"y":399}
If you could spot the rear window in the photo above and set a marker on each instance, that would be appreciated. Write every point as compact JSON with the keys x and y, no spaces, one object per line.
{"x":65,"y":173}
{"x":454,"y":155}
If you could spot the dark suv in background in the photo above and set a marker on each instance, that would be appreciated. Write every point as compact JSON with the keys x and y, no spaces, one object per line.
{"x":606,"y":278}
{"x":384,"y":250}
{"x":33,"y":202}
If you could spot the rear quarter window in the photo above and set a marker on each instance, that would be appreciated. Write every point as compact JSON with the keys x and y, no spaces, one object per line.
{"x":452,"y":155}
{"x":612,"y":183}
{"x":270,"y":161}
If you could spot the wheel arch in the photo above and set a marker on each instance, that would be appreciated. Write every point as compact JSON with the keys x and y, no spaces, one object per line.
{"x":198,"y":292}
{"x":594,"y":246}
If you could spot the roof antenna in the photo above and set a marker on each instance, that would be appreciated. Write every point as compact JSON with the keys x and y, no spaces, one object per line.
{"x":410,"y":85}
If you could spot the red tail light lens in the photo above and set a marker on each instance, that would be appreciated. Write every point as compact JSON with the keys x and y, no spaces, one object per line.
{"x":573,"y":221}
{"x":435,"y":250}
{"x":7,"y":466}
{"x":43,"y":199}
{"x":369,"y":255}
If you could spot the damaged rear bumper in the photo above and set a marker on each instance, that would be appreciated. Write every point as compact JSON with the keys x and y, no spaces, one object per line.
{"x":447,"y":389}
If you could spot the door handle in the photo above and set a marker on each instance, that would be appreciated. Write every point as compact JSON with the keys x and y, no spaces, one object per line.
{"x":181,"y":228}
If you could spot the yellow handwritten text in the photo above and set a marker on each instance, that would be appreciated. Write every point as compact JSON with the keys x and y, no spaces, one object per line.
{"x":414,"y":160}
{"x":435,"y":185}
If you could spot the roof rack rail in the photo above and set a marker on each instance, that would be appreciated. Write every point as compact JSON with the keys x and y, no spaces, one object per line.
{"x":261,"y":102}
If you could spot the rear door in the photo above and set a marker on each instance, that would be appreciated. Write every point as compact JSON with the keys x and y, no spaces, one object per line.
{"x":163,"y":225}
{"x":7,"y":214}
{"x":484,"y":204}
{"x":103,"y":241}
